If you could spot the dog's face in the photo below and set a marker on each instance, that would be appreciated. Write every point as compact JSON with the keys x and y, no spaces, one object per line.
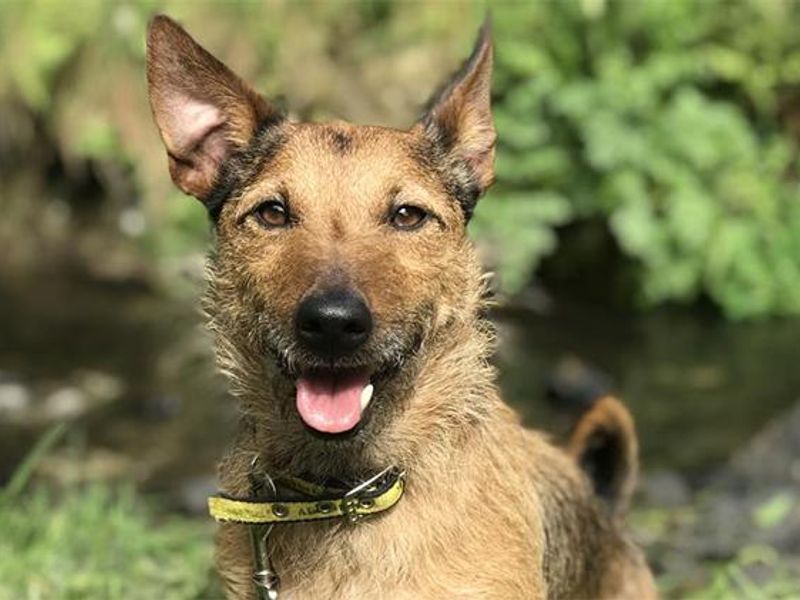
{"x":340,"y":248}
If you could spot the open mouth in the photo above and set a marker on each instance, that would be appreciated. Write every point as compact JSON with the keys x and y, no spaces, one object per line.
{"x":333,"y":401}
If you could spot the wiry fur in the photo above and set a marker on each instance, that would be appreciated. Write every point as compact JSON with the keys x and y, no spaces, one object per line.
{"x":491,"y":510}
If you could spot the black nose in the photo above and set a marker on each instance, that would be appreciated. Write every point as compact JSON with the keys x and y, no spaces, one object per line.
{"x":333,"y":323}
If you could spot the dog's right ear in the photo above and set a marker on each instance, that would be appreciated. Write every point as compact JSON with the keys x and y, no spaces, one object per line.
{"x":204,"y":111}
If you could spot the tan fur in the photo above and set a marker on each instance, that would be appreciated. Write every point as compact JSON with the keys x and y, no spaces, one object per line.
{"x":491,"y":510}
{"x":608,"y":424}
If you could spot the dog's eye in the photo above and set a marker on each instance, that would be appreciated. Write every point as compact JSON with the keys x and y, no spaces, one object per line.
{"x":272,"y":214}
{"x":408,"y":217}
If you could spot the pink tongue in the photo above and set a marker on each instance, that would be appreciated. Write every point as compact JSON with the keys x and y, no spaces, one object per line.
{"x":330,"y":405}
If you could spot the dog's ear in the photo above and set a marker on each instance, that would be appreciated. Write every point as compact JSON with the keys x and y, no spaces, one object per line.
{"x":459,"y":119}
{"x":604,"y":444}
{"x":203,"y":110}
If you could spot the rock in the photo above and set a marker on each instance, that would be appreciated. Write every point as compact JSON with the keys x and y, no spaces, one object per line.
{"x":721,"y":527}
{"x":574,"y":385}
{"x":65,"y":403}
{"x":15,"y":399}
{"x":665,"y":489}
{"x":772,"y":458}
{"x":95,"y":465}
{"x":748,"y":513}
{"x":100,"y":386}
{"x":193,"y":494}
{"x":159,"y":407}
{"x":89,"y":390}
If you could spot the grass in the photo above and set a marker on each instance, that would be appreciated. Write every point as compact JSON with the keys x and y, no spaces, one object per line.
{"x":97,"y":541}
{"x":106,"y":542}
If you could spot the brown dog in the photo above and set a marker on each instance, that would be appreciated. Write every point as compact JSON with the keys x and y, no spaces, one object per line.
{"x":347,"y":305}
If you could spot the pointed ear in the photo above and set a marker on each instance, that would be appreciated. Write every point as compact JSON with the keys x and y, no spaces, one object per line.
{"x":204,"y":111}
{"x":605,"y":445}
{"x":459,"y":119}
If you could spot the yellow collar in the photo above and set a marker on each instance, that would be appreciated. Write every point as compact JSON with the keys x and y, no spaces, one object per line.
{"x":316,"y":502}
{"x":299,"y":501}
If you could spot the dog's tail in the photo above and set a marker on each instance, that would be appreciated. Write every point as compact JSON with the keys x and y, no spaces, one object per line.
{"x":603,"y":441}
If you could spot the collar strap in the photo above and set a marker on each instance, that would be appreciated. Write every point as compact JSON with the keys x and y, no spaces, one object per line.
{"x":375,"y":495}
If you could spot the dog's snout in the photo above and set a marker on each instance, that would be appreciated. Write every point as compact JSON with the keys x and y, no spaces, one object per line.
{"x":333,"y":323}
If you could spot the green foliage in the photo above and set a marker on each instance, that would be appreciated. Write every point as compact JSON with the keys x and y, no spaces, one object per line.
{"x":774,"y":511}
{"x":737,"y":579}
{"x":520,"y":227}
{"x":673,"y":122}
{"x":662,"y":118}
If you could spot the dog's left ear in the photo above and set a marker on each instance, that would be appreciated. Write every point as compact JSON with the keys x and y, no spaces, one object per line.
{"x":459,"y":119}
{"x":605,"y":445}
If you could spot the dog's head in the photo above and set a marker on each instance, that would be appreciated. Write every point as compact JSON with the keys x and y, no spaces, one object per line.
{"x":341,"y":249}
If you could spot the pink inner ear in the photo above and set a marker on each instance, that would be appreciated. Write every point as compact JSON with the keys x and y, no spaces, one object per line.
{"x":195,"y":135}
{"x":190,"y":123}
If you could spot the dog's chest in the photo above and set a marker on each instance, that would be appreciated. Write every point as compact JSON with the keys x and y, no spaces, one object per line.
{"x":405,"y":556}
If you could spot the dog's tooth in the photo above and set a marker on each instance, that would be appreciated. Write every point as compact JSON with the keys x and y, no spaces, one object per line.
{"x":366,"y":395}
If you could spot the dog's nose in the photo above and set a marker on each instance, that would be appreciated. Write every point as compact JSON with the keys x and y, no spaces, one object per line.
{"x":333,"y":323}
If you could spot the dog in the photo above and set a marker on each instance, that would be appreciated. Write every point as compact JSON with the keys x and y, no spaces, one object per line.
{"x":348,"y":309}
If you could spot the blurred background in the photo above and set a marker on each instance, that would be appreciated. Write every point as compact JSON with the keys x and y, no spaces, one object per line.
{"x":645,"y":226}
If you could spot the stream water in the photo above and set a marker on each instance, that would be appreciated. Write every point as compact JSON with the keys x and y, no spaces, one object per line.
{"x":131,"y":371}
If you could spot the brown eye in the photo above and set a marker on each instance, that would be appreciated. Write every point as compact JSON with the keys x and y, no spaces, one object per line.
{"x":272,"y":214}
{"x":408,"y":217}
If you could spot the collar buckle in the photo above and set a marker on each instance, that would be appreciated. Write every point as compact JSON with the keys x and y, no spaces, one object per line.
{"x":362,"y":497}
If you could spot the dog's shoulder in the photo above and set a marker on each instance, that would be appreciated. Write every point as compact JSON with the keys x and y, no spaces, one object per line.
{"x":588,"y":551}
